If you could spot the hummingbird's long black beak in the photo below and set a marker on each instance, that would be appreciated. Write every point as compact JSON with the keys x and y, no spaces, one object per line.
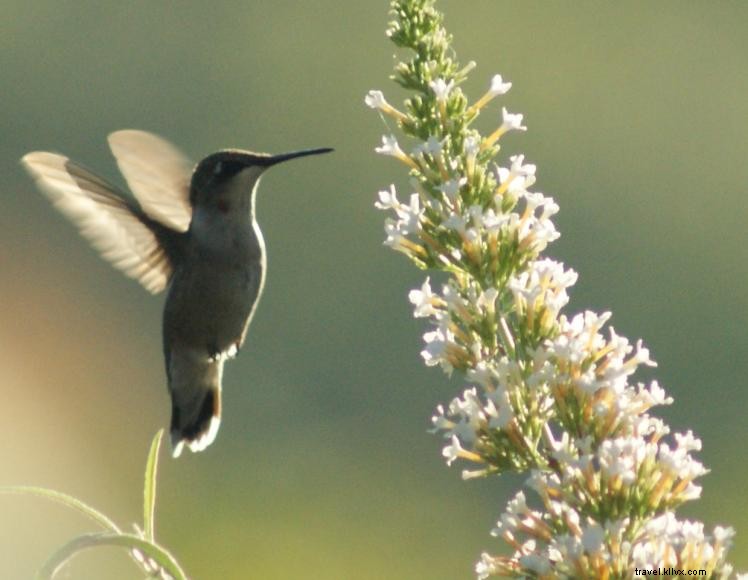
{"x":275,"y":159}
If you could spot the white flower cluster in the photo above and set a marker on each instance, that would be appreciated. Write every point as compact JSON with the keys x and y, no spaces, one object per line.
{"x":667,"y":542}
{"x":610,"y":474}
{"x":457,"y":314}
{"x":539,"y":292}
{"x":474,"y":232}
{"x":547,"y":394}
{"x":408,"y":220}
{"x":564,"y":543}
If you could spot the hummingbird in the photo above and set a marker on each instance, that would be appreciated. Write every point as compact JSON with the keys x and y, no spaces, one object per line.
{"x":192,"y":232}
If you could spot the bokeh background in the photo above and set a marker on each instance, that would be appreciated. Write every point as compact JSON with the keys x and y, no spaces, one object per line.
{"x":323,"y":468}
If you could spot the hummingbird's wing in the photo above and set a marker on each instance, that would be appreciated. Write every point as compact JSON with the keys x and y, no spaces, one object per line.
{"x":158,"y":174}
{"x":116,"y":227}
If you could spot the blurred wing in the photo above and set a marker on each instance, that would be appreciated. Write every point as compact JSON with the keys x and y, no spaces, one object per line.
{"x":117,"y":229}
{"x":158,"y":174}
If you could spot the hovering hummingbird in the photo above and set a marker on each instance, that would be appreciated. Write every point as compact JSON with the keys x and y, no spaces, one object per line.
{"x":193,"y":231}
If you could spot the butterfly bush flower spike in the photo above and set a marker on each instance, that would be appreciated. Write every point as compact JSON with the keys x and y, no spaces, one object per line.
{"x":547,"y":394}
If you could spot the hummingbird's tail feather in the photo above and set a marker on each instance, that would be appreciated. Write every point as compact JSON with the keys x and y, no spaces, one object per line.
{"x":199,"y":431}
{"x":195,"y":402}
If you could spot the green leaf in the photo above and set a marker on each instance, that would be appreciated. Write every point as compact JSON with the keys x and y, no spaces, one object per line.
{"x":149,"y":489}
{"x":148,"y":549}
{"x":66,"y":500}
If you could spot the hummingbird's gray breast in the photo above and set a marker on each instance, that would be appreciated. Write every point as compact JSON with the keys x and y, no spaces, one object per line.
{"x":214,"y":293}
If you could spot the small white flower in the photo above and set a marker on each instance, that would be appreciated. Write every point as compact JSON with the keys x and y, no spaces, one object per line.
{"x":498,"y":86}
{"x":519,"y":167}
{"x":455,"y":222}
{"x":436,"y":348}
{"x":543,"y":233}
{"x":468,"y":474}
{"x":550,"y":208}
{"x":376,"y":100}
{"x":537,"y":563}
{"x":687,"y":441}
{"x":471,"y":235}
{"x":390,"y":147}
{"x":487,"y":299}
{"x":452,"y":187}
{"x":679,"y":463}
{"x":517,"y":505}
{"x":511,"y":121}
{"x":472,"y":146}
{"x":441,"y":423}
{"x":503,"y":415}
{"x":394,"y":238}
{"x":723,"y":534}
{"x":543,"y":285}
{"x":486,"y":567}
{"x":453,"y":451}
{"x":654,"y":395}
{"x":533,"y":200}
{"x":410,"y":215}
{"x":424,"y":301}
{"x":517,"y":178}
{"x":482,"y":374}
{"x":432,"y":146}
{"x":441,"y":89}
{"x":476,"y":214}
{"x":642,"y":355}
{"x":387,"y":199}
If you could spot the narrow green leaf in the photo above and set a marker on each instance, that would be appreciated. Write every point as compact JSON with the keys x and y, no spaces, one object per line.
{"x":148,"y":549}
{"x":149,"y":489}
{"x":66,"y":500}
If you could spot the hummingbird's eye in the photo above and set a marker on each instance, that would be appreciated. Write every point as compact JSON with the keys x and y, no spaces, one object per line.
{"x":218,"y":168}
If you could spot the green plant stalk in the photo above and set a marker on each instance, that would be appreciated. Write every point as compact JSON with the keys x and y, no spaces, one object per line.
{"x":152,"y":558}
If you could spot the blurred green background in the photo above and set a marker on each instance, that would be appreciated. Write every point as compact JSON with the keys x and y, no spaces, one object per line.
{"x":323,"y":468}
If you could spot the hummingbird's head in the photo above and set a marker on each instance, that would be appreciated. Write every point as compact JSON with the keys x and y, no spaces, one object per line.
{"x":228,"y":178}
